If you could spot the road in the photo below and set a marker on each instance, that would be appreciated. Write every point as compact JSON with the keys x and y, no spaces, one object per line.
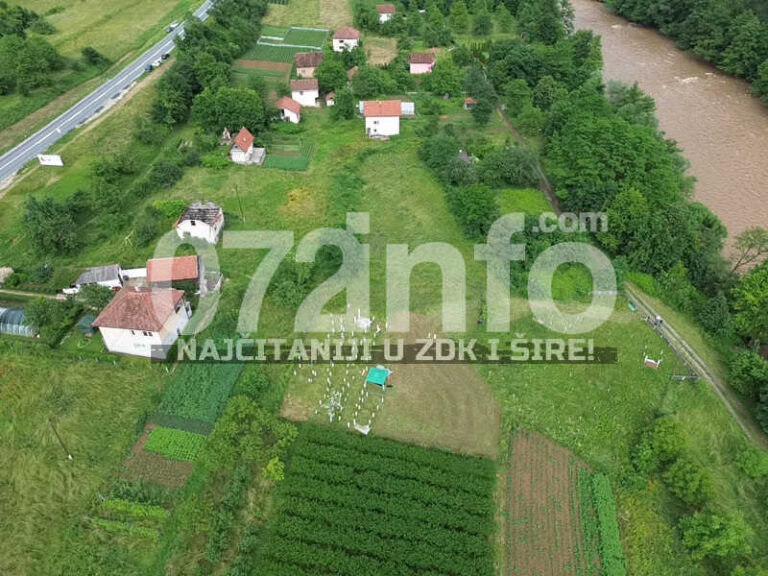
{"x":734,"y":406}
{"x":13,"y":160}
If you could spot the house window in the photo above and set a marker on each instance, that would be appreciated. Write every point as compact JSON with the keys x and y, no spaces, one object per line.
{"x":192,"y":222}
{"x":147,"y":333}
{"x":133,"y":333}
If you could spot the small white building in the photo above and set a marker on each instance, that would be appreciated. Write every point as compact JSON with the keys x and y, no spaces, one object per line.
{"x":382,"y":118}
{"x":307,"y":63}
{"x":143,"y":322}
{"x":290,"y":110}
{"x":108,"y":276}
{"x":422,"y":62}
{"x":305,"y":91}
{"x":203,"y":221}
{"x":330,"y":99}
{"x":243,"y":152}
{"x":346,"y":38}
{"x":386,"y":12}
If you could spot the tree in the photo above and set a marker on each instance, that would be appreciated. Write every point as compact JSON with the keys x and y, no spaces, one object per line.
{"x":750,"y":247}
{"x":482,"y":25}
{"x":50,"y":226}
{"x":504,"y":18}
{"x":748,"y":48}
{"x":371,"y":81}
{"x":445,"y":78}
{"x":710,"y":534}
{"x":459,"y":17}
{"x":95,"y":297}
{"x":660,"y":444}
{"x":230,"y":108}
{"x":748,"y":373}
{"x":331,"y":74}
{"x":760,"y":85}
{"x":632,"y":104}
{"x":47,"y":316}
{"x":344,"y":107}
{"x":93,"y":57}
{"x":689,"y":481}
{"x":475,"y":207}
{"x":514,"y":166}
{"x":750,"y":300}
{"x":517,"y":95}
{"x":544,"y":93}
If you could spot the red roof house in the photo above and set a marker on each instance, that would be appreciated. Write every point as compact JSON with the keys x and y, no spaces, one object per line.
{"x":290,"y":110}
{"x":139,"y":310}
{"x":176,"y":269}
{"x":382,"y":108}
{"x":244,"y":139}
{"x":346,"y":33}
{"x":422,"y":62}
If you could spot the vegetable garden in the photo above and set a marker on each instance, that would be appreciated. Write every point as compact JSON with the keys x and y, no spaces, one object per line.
{"x":289,"y":155}
{"x":366,"y":505}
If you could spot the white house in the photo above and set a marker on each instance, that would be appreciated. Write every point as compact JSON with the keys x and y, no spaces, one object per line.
{"x":108,"y":276}
{"x":346,"y":38}
{"x":290,"y":110}
{"x":386,"y":12}
{"x":330,"y":99}
{"x":382,"y":118}
{"x":305,"y":91}
{"x":143,"y":322}
{"x":243,"y":151}
{"x":422,"y":62}
{"x":203,"y":221}
{"x":307,"y":63}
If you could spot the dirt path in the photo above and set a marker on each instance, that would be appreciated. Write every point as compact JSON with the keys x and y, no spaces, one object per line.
{"x":60,"y":297}
{"x":732,"y":403}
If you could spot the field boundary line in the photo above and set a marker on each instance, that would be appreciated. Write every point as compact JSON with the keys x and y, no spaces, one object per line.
{"x":734,"y":406}
{"x":260,"y":43}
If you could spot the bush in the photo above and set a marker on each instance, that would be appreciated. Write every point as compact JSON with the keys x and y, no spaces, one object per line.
{"x":164,"y":174}
{"x":752,"y":462}
{"x":711,"y":534}
{"x":748,"y":373}
{"x":514,"y":166}
{"x":688,"y":481}
{"x":475,"y":207}
{"x":660,"y":444}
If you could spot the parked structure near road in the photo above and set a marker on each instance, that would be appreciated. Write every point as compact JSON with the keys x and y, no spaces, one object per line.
{"x":422,"y":62}
{"x":243,"y":151}
{"x":143,"y":322}
{"x":203,"y":221}
{"x":307,"y":63}
{"x":108,"y":276}
{"x":386,"y":12}
{"x":346,"y":38}
{"x":305,"y":91}
{"x":382,"y":118}
{"x":290,"y":110}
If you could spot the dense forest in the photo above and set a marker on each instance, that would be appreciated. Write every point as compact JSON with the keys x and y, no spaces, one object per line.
{"x":732,"y":34}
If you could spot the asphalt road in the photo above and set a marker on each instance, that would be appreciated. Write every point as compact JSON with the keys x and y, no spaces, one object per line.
{"x":111,"y":89}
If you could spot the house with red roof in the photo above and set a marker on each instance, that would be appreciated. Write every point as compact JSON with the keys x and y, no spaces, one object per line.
{"x":243,"y":151}
{"x":290,"y":110}
{"x":382,"y":118}
{"x":422,"y":62}
{"x":386,"y":12}
{"x":305,"y":91}
{"x":182,"y":272}
{"x":307,"y":63}
{"x":346,"y":38}
{"x":143,"y":322}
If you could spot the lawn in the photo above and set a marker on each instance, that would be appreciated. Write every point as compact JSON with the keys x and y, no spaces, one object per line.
{"x":94,"y":407}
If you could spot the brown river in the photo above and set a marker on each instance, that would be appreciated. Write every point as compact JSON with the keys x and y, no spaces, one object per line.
{"x":722,"y":129}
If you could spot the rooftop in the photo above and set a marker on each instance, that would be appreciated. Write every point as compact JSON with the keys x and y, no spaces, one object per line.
{"x":209,"y":213}
{"x":304,"y":84}
{"x":139,"y":310}
{"x":99,"y":274}
{"x":422,"y":58}
{"x":379,"y":108}
{"x":244,"y":139}
{"x":385,"y":8}
{"x":307,"y":59}
{"x":286,"y":103}
{"x":172,"y":269}
{"x":346,"y":33}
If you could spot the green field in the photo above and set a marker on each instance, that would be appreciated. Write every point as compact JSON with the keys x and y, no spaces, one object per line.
{"x":272,"y":53}
{"x":352,"y":505}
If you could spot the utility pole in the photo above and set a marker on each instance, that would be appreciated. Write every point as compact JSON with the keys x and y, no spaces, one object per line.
{"x":63,"y":446}
{"x":240,"y":204}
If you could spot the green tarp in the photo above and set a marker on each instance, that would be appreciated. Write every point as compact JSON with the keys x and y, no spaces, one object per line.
{"x":377,"y":376}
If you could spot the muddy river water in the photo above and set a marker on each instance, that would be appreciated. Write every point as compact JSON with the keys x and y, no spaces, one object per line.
{"x":722,"y":129}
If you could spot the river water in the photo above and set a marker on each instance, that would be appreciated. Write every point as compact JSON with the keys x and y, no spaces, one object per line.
{"x":722,"y":129}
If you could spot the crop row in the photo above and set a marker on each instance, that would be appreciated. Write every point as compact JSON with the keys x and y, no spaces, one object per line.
{"x":134,"y":510}
{"x":199,"y":391}
{"x":175,"y":444}
{"x":417,"y":555}
{"x":430,"y":458}
{"x":590,"y":530}
{"x":446,"y":540}
{"x":394,"y":488}
{"x":398,"y":468}
{"x":611,"y":550}
{"x":355,"y":498}
{"x":117,"y":527}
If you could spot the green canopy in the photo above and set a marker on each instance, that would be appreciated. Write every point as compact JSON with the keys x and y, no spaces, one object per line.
{"x":377,"y":376}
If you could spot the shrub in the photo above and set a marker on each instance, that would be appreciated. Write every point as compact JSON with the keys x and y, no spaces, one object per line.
{"x":660,"y":444}
{"x":689,"y":481}
{"x":711,"y":534}
{"x":175,"y":444}
{"x":752,"y":462}
{"x":748,"y":372}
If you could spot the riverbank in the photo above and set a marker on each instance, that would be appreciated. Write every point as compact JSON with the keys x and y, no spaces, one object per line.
{"x":721,"y":127}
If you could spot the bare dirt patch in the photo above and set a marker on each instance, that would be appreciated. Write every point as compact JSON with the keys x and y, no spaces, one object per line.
{"x":264,"y":65}
{"x":543,"y":527}
{"x":380,"y":50}
{"x":151,"y":467}
{"x":335,"y":13}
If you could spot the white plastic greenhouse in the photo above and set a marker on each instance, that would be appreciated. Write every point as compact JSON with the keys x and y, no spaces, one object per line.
{"x":13,"y":321}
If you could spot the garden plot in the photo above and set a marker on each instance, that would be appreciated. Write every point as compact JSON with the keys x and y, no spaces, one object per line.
{"x":149,"y":466}
{"x":289,"y":154}
{"x":365,"y":505}
{"x":278,"y":44}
